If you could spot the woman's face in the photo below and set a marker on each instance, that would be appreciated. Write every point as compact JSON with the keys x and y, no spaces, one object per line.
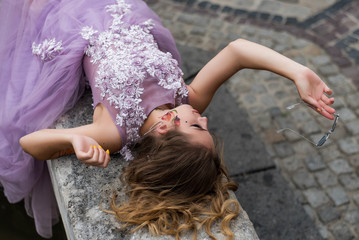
{"x":190,"y":122}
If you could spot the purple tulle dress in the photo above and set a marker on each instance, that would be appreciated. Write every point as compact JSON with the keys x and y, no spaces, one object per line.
{"x":46,"y":47}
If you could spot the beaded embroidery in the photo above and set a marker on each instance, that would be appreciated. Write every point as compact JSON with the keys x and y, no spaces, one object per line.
{"x":126,"y":54}
{"x":47,"y":49}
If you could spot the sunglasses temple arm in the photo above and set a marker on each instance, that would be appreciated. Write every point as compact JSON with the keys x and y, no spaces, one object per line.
{"x":283,"y":129}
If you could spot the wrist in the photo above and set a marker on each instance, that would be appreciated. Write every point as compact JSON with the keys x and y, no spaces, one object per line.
{"x":301,"y":72}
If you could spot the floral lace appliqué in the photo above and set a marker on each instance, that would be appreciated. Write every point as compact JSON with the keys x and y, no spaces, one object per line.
{"x":126,"y":55}
{"x":48,"y":49}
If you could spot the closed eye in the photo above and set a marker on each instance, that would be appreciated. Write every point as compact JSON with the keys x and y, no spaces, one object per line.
{"x":198,"y":126}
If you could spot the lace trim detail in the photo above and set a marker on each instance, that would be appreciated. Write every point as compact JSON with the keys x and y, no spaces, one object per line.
{"x":126,"y":55}
{"x":48,"y":49}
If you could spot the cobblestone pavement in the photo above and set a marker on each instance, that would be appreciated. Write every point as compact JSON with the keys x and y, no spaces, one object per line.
{"x":322,"y":34}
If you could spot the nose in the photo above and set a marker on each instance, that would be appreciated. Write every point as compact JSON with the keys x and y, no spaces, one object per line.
{"x":203,"y":122}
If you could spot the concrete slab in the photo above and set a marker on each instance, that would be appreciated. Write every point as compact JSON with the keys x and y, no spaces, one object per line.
{"x":273,"y":208}
{"x":80,"y":190}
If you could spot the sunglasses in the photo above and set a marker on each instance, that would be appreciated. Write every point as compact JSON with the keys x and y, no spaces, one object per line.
{"x":326,"y":135}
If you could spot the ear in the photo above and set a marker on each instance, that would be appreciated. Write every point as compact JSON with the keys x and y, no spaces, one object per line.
{"x":162,"y":129}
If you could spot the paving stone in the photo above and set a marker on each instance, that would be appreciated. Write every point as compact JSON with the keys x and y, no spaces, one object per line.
{"x":300,"y":43}
{"x":300,"y":60}
{"x":292,"y":163}
{"x":352,"y":215}
{"x":298,"y":11}
{"x":270,"y":6}
{"x":326,"y":178}
{"x":323,"y":231}
{"x":301,"y":115}
{"x":266,"y":123}
{"x":356,"y":229}
{"x":187,"y":18}
{"x":281,"y":94}
{"x":216,"y":23}
{"x":328,"y":213}
{"x":353,"y":127}
{"x":341,"y":231}
{"x":338,"y":195}
{"x":271,"y":136}
{"x":303,"y":179}
{"x":354,"y":160}
{"x":349,"y":145}
{"x":249,"y":98}
{"x":268,"y":101}
{"x":310,"y":127}
{"x":309,"y":210}
{"x":275,"y":112}
{"x":304,"y":147}
{"x":349,"y":181}
{"x":268,"y":76}
{"x":283,"y":149}
{"x":215,"y":36}
{"x":352,"y":100}
{"x":197,"y":30}
{"x":339,"y":166}
{"x":258,"y":89}
{"x":330,"y":153}
{"x":320,"y":60}
{"x":284,"y":121}
{"x":356,"y":198}
{"x":347,"y":115}
{"x":281,"y":48}
{"x":328,"y":70}
{"x":316,"y":197}
{"x":315,"y":163}
{"x":336,"y":80}
{"x":339,"y":103}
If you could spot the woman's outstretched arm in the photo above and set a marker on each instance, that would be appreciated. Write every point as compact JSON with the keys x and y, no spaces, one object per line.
{"x":242,"y":54}
{"x":84,"y":141}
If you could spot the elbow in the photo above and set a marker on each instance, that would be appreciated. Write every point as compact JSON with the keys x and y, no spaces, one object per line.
{"x":23,"y":143}
{"x":237,"y":42}
{"x":238,"y":46}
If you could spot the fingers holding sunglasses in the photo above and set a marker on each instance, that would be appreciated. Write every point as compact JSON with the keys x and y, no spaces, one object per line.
{"x":322,"y":109}
{"x":327,"y":90}
{"x":327,"y":100}
{"x":326,"y":110}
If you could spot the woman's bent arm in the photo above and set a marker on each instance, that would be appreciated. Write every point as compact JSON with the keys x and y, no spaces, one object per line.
{"x":84,"y":141}
{"x":242,"y":54}
{"x":45,"y":144}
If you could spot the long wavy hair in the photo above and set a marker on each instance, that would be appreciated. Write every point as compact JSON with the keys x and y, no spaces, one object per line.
{"x":175,"y":186}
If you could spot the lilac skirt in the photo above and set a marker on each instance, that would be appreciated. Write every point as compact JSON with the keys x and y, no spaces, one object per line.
{"x":41,"y":77}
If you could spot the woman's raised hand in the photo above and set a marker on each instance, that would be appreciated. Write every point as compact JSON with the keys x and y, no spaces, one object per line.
{"x":315,"y":92}
{"x":89,"y":152}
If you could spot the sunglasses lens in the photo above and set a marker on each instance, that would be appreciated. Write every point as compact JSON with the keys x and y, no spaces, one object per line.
{"x":323,"y":140}
{"x":335,"y":123}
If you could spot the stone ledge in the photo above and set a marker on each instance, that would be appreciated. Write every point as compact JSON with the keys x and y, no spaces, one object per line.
{"x":79,"y":190}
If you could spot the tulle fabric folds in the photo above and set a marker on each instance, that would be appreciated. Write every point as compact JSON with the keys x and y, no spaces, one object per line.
{"x":41,"y":77}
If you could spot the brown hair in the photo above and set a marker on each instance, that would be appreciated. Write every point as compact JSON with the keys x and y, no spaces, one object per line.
{"x":174,"y":186}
